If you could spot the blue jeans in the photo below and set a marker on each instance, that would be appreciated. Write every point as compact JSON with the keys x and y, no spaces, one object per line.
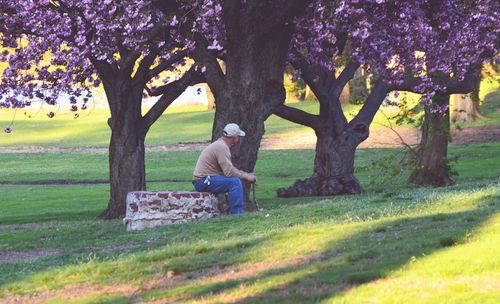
{"x":224,"y":184}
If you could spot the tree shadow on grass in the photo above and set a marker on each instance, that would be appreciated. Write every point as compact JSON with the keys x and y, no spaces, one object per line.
{"x":368,"y":255}
{"x":67,"y":216}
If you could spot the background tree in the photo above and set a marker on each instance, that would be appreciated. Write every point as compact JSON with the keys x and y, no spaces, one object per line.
{"x":404,"y":44}
{"x":71,"y":45}
{"x":466,"y":107}
{"x":359,"y":86}
{"x":295,"y":87}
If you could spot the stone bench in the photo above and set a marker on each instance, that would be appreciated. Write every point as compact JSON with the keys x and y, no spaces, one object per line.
{"x":146,"y":209}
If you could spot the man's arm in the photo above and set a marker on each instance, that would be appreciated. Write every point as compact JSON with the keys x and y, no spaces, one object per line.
{"x":228,"y":169}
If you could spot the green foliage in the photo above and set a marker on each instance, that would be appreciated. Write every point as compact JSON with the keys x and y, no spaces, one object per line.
{"x":294,"y":88}
{"x":391,"y":165}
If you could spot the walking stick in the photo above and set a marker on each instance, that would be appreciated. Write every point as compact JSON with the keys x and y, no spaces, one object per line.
{"x":254,"y":199}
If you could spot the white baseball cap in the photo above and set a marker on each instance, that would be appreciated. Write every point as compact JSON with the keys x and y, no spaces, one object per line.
{"x":233,"y":129}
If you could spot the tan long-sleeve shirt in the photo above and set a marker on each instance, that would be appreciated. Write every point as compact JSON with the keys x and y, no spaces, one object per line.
{"x":215,"y":160}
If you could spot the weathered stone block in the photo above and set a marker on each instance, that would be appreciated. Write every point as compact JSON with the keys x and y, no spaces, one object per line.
{"x":146,"y":209}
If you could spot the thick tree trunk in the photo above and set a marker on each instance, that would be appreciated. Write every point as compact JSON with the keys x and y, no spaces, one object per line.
{"x":464,"y":109}
{"x":333,"y":165}
{"x":359,"y":88}
{"x":432,"y":165}
{"x":126,"y":149}
{"x":253,"y":86}
{"x":337,"y":139}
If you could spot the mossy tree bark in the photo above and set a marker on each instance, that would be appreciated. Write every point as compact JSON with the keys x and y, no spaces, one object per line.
{"x":432,"y":167}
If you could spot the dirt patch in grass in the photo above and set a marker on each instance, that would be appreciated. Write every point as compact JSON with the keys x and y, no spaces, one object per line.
{"x":384,"y":137}
{"x":380,"y":137}
{"x":239,"y":272}
{"x":72,"y":293}
{"x":166,"y":281}
{"x":118,"y":248}
{"x":475,"y":134}
{"x":25,"y":227}
{"x":17,"y":256}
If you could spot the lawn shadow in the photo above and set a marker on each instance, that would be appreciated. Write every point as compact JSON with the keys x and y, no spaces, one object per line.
{"x":491,"y":103}
{"x":341,"y":266}
{"x":62,"y":216}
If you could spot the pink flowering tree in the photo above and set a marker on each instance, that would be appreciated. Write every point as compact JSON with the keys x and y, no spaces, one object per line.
{"x":433,"y":47}
{"x":70,"y":46}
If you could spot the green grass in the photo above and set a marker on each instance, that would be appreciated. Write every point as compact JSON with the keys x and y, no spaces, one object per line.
{"x":490,"y":96}
{"x":302,"y":254}
{"x":397,"y":242}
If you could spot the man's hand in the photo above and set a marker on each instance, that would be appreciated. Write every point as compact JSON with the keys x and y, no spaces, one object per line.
{"x":251,"y":177}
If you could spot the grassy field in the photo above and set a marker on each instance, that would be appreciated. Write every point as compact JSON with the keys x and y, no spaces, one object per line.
{"x":396,"y":244}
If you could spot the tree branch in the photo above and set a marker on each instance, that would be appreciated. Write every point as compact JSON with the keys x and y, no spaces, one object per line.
{"x":205,"y":57}
{"x":200,"y":77}
{"x":297,"y":116}
{"x":451,"y":85}
{"x":166,"y":63}
{"x":127,"y":58}
{"x":166,"y":6}
{"x":345,"y":76}
{"x":341,"y":42}
{"x":231,"y":11}
{"x":372,"y":104}
{"x":334,"y":92}
{"x":105,"y":70}
{"x":174,"y":90}
{"x":309,"y":74}
{"x":141,"y":75}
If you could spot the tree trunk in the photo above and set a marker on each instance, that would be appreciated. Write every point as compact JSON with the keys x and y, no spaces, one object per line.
{"x":126,"y":148}
{"x":464,"y":108}
{"x":432,"y":165}
{"x":310,"y":94}
{"x":253,"y":86}
{"x":210,"y":97}
{"x":333,"y":164}
{"x":359,"y":89}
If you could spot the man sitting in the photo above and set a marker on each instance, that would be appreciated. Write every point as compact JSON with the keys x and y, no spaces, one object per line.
{"x":214,"y":171}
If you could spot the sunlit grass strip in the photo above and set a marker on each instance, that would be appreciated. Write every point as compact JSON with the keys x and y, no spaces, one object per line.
{"x":250,"y":281}
{"x":270,"y":263}
{"x":468,"y":273}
